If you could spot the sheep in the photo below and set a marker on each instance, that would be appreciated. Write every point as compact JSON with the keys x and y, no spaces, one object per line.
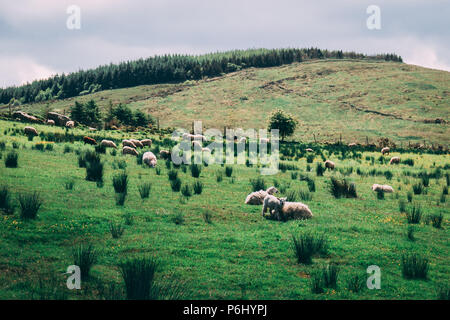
{"x":147,"y":142}
{"x":149,"y":158}
{"x":30,"y":131}
{"x":309,"y":150}
{"x":329,"y":165}
{"x":108,"y":144}
{"x":88,"y":140}
{"x":128,"y":143}
{"x":164,"y":154}
{"x":70,"y":124}
{"x":394,"y":160}
{"x":281,"y":210}
{"x":257,"y":197}
{"x":272,"y":203}
{"x":352,"y":144}
{"x":384,"y":188}
{"x":129,"y":150}
{"x":137,"y":143}
{"x":385,"y":150}
{"x":51,"y":122}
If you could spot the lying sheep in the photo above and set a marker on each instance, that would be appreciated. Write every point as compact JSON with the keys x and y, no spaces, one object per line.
{"x":70,"y":124}
{"x":149,"y":158}
{"x":51,"y":122}
{"x":282,"y":210}
{"x":108,"y":144}
{"x":30,"y":131}
{"x":164,"y":154}
{"x":129,"y":150}
{"x":137,"y":143}
{"x":257,"y":197}
{"x":88,"y":140}
{"x":329,"y":165}
{"x":382,"y":187}
{"x":385,"y":150}
{"x":394,"y":160}
{"x":146,"y":142}
{"x":128,"y":143}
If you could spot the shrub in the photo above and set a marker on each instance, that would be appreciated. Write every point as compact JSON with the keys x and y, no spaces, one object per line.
{"x":402,"y":206}
{"x":444,"y":292}
{"x":198,"y":187}
{"x":341,"y":188}
{"x":409,"y":196}
{"x":99,"y":148}
{"x":84,"y":256}
{"x":158,"y":171}
{"x":410,"y":233}
{"x":228,"y":171}
{"x":409,"y":162}
{"x":120,"y":182}
{"x":94,"y":171}
{"x":144,"y":190}
{"x":11,"y":160}
{"x":5,"y":200}
{"x":113,"y":152}
{"x":175,"y":185}
{"x":306,"y":245}
{"x":196,"y":170}
{"x":173,"y":174}
{"x":445,"y":190}
{"x":320,"y":169}
{"x":207,"y":216}
{"x":2,"y":145}
{"x":414,"y":215}
{"x":219,"y":176}
{"x":258,"y":184}
{"x":305,"y":195}
{"x":15,"y":145}
{"x":178,"y":218}
{"x":49,"y":147}
{"x":294,"y":175}
{"x":138,"y":275}
{"x":120,"y":198}
{"x":116,"y":230}
{"x":69,"y":184}
{"x":310,"y":158}
{"x":436,"y":220}
{"x":414,"y":266}
{"x":388,"y":174}
{"x":355,"y":283}
{"x":67,"y":148}
{"x":330,"y":275}
{"x":311,"y":185}
{"x":128,"y":219}
{"x":186,"y":191}
{"x":380,"y":194}
{"x":29,"y":205}
{"x":417,"y":188}
{"x":316,"y":282}
{"x":425,"y":180}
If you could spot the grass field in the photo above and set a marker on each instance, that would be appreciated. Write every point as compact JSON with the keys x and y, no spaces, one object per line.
{"x":355,"y":99}
{"x":212,"y":245}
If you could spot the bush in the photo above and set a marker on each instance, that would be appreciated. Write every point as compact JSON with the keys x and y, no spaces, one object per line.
{"x":207,"y":216}
{"x":414,"y":266}
{"x":178,"y":218}
{"x":29,"y":205}
{"x":330,"y":275}
{"x":320,"y":169}
{"x":172,"y":174}
{"x":410,"y":233}
{"x":444,"y":292}
{"x":294,"y":175}
{"x":99,"y":148}
{"x":84,"y":256}
{"x":425,"y":180}
{"x":120,"y":182}
{"x":307,"y":245}
{"x":144,"y":190}
{"x":402,"y":206}
{"x":138,"y":275}
{"x":436,"y":220}
{"x":305,"y":195}
{"x":311,"y":185}
{"x":409,"y":196}
{"x":310,"y":158}
{"x":128,"y":219}
{"x":94,"y":171}
{"x":49,"y":147}
{"x":341,"y":188}
{"x":69,"y":184}
{"x":258,"y":184}
{"x":196,"y":170}
{"x":409,"y":162}
{"x":116,"y":230}
{"x":219,"y":176}
{"x":388,"y":175}
{"x":356,"y":283}
{"x":198,"y":187}
{"x":175,"y":185}
{"x":228,"y":171}
{"x":120,"y":198}
{"x":5,"y":200}
{"x":414,"y":215}
{"x":316,"y":282}
{"x":380,"y":194}
{"x":186,"y":191}
{"x":11,"y":160}
{"x":417,"y":188}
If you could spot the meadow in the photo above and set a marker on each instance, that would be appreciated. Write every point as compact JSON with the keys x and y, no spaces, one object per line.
{"x":211,"y":245}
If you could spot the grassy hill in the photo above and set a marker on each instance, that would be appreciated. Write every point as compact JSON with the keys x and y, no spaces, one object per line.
{"x":332,"y":97}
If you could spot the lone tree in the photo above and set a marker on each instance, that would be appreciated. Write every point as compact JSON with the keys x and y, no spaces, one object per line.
{"x":284,"y":122}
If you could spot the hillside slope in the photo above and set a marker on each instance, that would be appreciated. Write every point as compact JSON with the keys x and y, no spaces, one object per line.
{"x":355,"y":98}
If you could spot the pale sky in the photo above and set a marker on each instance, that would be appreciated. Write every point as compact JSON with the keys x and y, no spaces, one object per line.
{"x":36,"y":43}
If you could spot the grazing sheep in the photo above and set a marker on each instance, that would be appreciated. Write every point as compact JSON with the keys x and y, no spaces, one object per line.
{"x":128,"y":143}
{"x":51,"y":122}
{"x":129,"y":150}
{"x":164,"y":154}
{"x":149,"y":158}
{"x":147,"y":142}
{"x":30,"y":131}
{"x":59,"y":119}
{"x":394,"y":160}
{"x":108,"y":144}
{"x":88,"y":140}
{"x":352,"y":144}
{"x":309,"y":150}
{"x":137,"y":143}
{"x":329,"y":165}
{"x":70,"y":124}
{"x":382,"y":187}
{"x":257,"y":197}
{"x":385,"y":150}
{"x":281,"y":210}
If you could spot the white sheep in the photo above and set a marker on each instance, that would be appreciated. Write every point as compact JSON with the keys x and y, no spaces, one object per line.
{"x":382,"y":187}
{"x":329,"y":164}
{"x":394,"y":160}
{"x":51,"y":122}
{"x":257,"y":197}
{"x":30,"y":131}
{"x":147,"y":142}
{"x":137,"y":143}
{"x":385,"y":150}
{"x":149,"y":158}
{"x":164,"y":154}
{"x":129,"y":150}
{"x":70,"y":124}
{"x":128,"y":143}
{"x":309,"y":150}
{"x":282,"y":210}
{"x":108,"y":144}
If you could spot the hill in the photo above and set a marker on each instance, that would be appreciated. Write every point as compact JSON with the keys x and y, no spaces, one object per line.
{"x":348,"y":97}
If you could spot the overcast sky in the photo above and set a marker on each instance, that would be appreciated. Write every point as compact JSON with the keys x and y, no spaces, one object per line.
{"x":36,"y":43}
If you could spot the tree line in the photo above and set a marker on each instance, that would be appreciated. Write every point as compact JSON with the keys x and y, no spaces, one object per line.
{"x":165,"y":69}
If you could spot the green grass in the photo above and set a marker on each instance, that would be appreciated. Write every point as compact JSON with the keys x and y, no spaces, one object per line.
{"x":239,"y":246}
